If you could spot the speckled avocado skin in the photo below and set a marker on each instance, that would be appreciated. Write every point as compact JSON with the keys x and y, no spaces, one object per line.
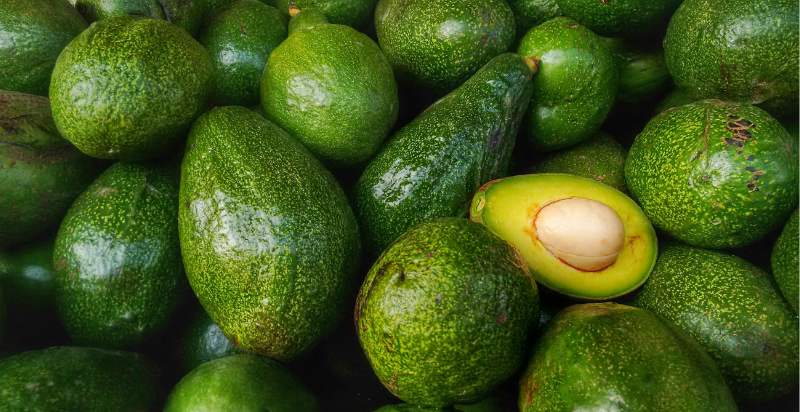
{"x":117,"y":260}
{"x":576,"y":85}
{"x":732,"y":309}
{"x":607,"y":356}
{"x":128,"y":88}
{"x":77,"y":379}
{"x":444,"y":314}
{"x":307,"y":19}
{"x":203,"y":341}
{"x":529,"y":13}
{"x":40,"y":172}
{"x":600,"y":158}
{"x":354,"y":13}
{"x":32,"y":34}
{"x":714,"y":174}
{"x":94,"y":10}
{"x":186,"y":14}
{"x":736,"y":50}
{"x":785,"y":261}
{"x":269,"y":241}
{"x":439,"y":44}
{"x":28,"y":272}
{"x":620,"y":17}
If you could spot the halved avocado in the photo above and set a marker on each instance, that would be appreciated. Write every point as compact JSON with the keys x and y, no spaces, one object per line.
{"x":579,"y":237}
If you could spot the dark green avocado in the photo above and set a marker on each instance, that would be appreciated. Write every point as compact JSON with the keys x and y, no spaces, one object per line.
{"x":354,"y":13}
{"x":785,"y":261}
{"x":677,"y":97}
{"x":28,"y":272}
{"x":94,"y":10}
{"x":600,"y":158}
{"x":203,"y":341}
{"x":186,"y":14}
{"x":643,"y":74}
{"x":632,"y":18}
{"x":530,"y":13}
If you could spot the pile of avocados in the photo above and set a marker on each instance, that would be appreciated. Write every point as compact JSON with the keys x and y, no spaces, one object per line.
{"x":399,"y":205}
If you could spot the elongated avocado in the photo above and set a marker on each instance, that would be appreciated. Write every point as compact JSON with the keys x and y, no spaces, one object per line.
{"x":29,"y":273}
{"x":600,"y":158}
{"x":785,"y":261}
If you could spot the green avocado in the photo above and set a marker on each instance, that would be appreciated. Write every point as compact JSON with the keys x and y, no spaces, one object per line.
{"x":714,"y":174}
{"x":576,"y":85}
{"x":439,"y":44}
{"x":203,"y":341}
{"x":77,"y":379}
{"x":40,"y":172}
{"x":600,"y":158}
{"x":530,"y":13}
{"x":632,"y":18}
{"x":117,"y":260}
{"x":431,"y":167}
{"x":736,"y":50}
{"x":94,"y":10}
{"x":186,"y":14}
{"x":785,"y":261}
{"x":32,"y":34}
{"x":407,"y":407}
{"x":270,"y":244}
{"x":612,"y":357}
{"x":732,"y":309}
{"x":306,"y":19}
{"x":677,"y":97}
{"x":643,"y":74}
{"x":444,"y":314}
{"x":332,"y":88}
{"x":354,"y":13}
{"x":129,"y":88}
{"x":28,"y":272}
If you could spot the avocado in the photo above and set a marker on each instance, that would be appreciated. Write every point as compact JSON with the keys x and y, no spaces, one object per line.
{"x":785,"y":266}
{"x":732,"y":309}
{"x":643,"y":73}
{"x":32,"y":34}
{"x":612,"y":357}
{"x":407,"y":407}
{"x":631,"y":18}
{"x":270,"y":244}
{"x":677,"y":97}
{"x":240,"y":383}
{"x":40,"y":172}
{"x":530,"y":13}
{"x":439,"y":44}
{"x":117,"y":260}
{"x":332,"y":88}
{"x":354,"y":13}
{"x":28,"y":272}
{"x":203,"y":341}
{"x":714,"y":174}
{"x":77,"y":379}
{"x":128,"y":88}
{"x":736,"y":50}
{"x":186,"y":14}
{"x":444,"y":314}
{"x":240,"y":39}
{"x":600,"y":158}
{"x":94,"y":10}
{"x":431,"y":167}
{"x":576,"y":85}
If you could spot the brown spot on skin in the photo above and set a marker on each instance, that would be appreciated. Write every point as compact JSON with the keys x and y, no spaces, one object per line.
{"x":530,"y":391}
{"x":106,"y":191}
{"x":501,"y":318}
{"x":391,"y":384}
{"x":60,"y":264}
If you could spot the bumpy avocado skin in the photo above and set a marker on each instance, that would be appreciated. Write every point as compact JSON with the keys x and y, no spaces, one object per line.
{"x":736,"y":50}
{"x":643,"y":73}
{"x":269,"y":241}
{"x":203,"y":341}
{"x":40,"y":172}
{"x":732,"y":309}
{"x":77,"y":379}
{"x":444,"y":314}
{"x":94,"y":10}
{"x":600,"y":158}
{"x":128,"y":88}
{"x":620,"y":17}
{"x":241,"y":383}
{"x":32,"y":34}
{"x":353,"y":13}
{"x":432,"y":166}
{"x":29,"y":273}
{"x":785,"y":261}
{"x":117,"y":260}
{"x":575,"y":87}
{"x":607,"y":356}
{"x":439,"y":44}
{"x":714,"y":174}
{"x":529,"y":13}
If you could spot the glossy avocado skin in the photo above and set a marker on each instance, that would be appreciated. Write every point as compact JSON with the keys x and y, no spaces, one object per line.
{"x":607,"y":356}
{"x":40,"y":172}
{"x":439,"y":44}
{"x":307,"y":19}
{"x":94,"y":10}
{"x":203,"y":341}
{"x":785,"y":261}
{"x":643,"y":73}
{"x":736,"y":50}
{"x":632,"y":18}
{"x":117,"y":260}
{"x":714,"y":174}
{"x":32,"y":34}
{"x":272,"y":257}
{"x":28,"y":272}
{"x":530,"y":13}
{"x":732,"y":309}
{"x":128,"y":88}
{"x":444,"y":314}
{"x":353,"y":13}
{"x":77,"y":379}
{"x":575,"y":87}
{"x":600,"y":158}
{"x":432,"y":166}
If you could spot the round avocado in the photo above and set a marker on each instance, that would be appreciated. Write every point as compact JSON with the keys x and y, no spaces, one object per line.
{"x":353,"y":13}
{"x":94,"y":10}
{"x":578,"y":237}
{"x":306,"y":19}
{"x":714,"y":174}
{"x":186,"y":14}
{"x":677,"y":97}
{"x":785,"y":261}
{"x":29,"y":273}
{"x":203,"y":341}
{"x":600,"y":158}
{"x":438,"y":44}
{"x":575,"y":87}
{"x":529,"y":13}
{"x":129,"y":88}
{"x":632,"y":18}
{"x":444,"y":314}
{"x":643,"y":74}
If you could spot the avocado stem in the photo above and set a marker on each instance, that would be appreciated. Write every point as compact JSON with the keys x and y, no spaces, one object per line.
{"x":293,"y":9}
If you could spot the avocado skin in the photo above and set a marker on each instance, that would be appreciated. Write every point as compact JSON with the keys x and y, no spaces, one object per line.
{"x":117,"y":260}
{"x":736,"y":50}
{"x":530,"y":13}
{"x":732,"y":309}
{"x":643,"y":73}
{"x":272,"y":259}
{"x":407,"y":407}
{"x":444,"y":314}
{"x":186,"y":14}
{"x":432,"y":166}
{"x":307,"y":19}
{"x":77,"y":379}
{"x":607,"y":356}
{"x":203,"y":341}
{"x":785,"y":262}
{"x":576,"y":85}
{"x":714,"y":174}
{"x":677,"y":97}
{"x":353,"y":13}
{"x":94,"y":10}
{"x":600,"y":158}
{"x":128,"y":88}
{"x":632,"y":18}
{"x":239,"y":40}
{"x":32,"y":34}
{"x":29,"y":273}
{"x":40,"y":172}
{"x":439,"y":44}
